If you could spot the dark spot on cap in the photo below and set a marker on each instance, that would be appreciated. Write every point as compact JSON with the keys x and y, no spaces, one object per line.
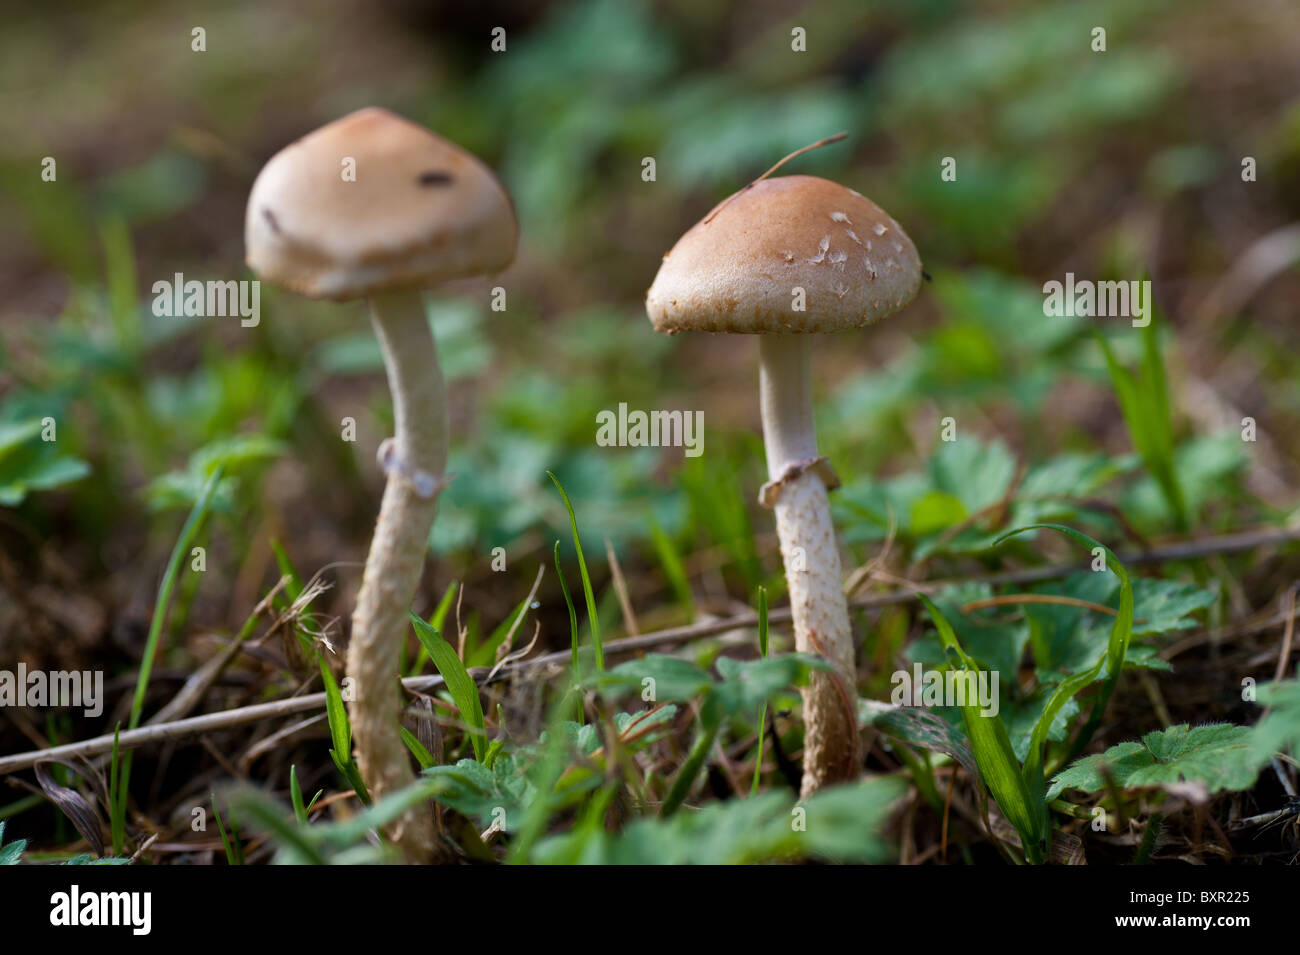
{"x":270,"y":220}
{"x":435,"y":177}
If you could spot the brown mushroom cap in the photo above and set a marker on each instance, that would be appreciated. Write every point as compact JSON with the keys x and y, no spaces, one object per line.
{"x":737,"y":271}
{"x":420,"y":211}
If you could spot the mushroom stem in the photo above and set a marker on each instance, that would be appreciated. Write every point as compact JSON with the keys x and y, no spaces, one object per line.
{"x":380,"y":621}
{"x":812,"y":560}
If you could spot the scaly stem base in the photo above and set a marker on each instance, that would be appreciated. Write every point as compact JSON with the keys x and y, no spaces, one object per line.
{"x":812,"y":561}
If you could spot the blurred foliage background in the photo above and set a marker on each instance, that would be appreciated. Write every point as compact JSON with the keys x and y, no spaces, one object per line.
{"x":1118,"y":165}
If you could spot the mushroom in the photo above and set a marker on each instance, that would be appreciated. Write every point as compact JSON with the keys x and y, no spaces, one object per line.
{"x":374,"y":206}
{"x":746,"y":268}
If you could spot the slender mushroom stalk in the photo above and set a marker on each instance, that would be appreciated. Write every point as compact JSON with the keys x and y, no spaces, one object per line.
{"x":373,"y":206}
{"x":812,"y":561}
{"x":787,"y":258}
{"x":415,"y":462}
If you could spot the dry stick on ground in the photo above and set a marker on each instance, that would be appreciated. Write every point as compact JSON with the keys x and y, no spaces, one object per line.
{"x":226,"y":719}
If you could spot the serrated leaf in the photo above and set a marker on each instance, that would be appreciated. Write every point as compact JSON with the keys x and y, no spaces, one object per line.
{"x":1218,"y":755}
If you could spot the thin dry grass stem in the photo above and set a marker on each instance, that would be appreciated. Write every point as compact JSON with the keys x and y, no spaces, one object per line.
{"x":947,"y":807}
{"x":1284,"y":654}
{"x":779,"y":163}
{"x":1152,"y":690}
{"x":273,"y":742}
{"x":878,"y":563}
{"x":504,"y":650}
{"x":461,"y":632}
{"x":1008,"y":600}
{"x":144,"y":847}
{"x":518,"y":655}
{"x":620,"y":588}
{"x":194,"y":688}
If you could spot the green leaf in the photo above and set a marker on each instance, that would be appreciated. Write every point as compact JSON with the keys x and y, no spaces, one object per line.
{"x":1217,"y":755}
{"x":936,"y":511}
{"x":1279,"y":730}
{"x":1160,"y":606}
{"x":747,"y":685}
{"x":234,"y":850}
{"x":742,"y":689}
{"x":674,"y":678}
{"x":471,"y":788}
{"x":461,"y":686}
{"x":10,"y":854}
{"x":86,"y":858}
{"x":1021,"y":717}
{"x":837,"y":824}
{"x":30,"y":465}
{"x":993,"y":646}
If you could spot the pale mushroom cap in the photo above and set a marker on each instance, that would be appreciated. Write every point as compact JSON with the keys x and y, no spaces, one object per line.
{"x":420,"y":211}
{"x":738,"y":271}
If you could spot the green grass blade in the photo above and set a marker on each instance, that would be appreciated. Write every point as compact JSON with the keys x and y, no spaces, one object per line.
{"x":438,"y":621}
{"x":762,"y":716}
{"x":685,"y":777}
{"x":422,"y":755}
{"x":295,"y":794}
{"x":568,"y":602}
{"x":673,"y":568}
{"x":1121,"y":635}
{"x":179,"y":552}
{"x":1144,"y":403}
{"x":463,"y":689}
{"x":260,"y":811}
{"x":234,"y":850}
{"x":995,"y":758}
{"x":593,"y":618}
{"x":116,"y":797}
{"x":337,"y":713}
